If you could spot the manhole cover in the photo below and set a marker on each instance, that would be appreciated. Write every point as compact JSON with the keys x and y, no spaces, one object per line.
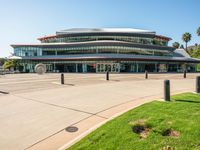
{"x":71,"y":129}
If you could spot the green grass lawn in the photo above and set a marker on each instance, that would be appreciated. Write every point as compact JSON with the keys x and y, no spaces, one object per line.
{"x":181,"y":115}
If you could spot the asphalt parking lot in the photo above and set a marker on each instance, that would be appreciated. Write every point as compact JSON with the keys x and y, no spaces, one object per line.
{"x":35,"y":107}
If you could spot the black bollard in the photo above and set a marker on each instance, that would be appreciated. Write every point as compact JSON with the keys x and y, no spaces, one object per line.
{"x":107,"y":75}
{"x":198,"y":84}
{"x":62,"y":79}
{"x":167,"y":90}
{"x":146,"y":74}
{"x":185,"y":74}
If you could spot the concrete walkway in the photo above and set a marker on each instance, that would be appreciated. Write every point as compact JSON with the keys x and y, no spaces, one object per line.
{"x":36,"y":119}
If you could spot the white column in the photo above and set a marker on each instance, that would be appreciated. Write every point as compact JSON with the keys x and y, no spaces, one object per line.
{"x":177,"y":68}
{"x":156,"y":69}
{"x":54,"y":66}
{"x":76,"y":67}
{"x":84,"y":66}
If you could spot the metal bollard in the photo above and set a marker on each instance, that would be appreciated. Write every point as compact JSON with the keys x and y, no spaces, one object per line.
{"x":185,"y":74}
{"x":62,"y":79}
{"x":198,"y":84}
{"x":167,"y":90}
{"x":146,"y":74}
{"x":107,"y":75}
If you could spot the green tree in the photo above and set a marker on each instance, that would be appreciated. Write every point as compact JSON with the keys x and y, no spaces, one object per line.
{"x":195,"y":52}
{"x":198,"y":31}
{"x":11,"y":63}
{"x":176,"y":45}
{"x":186,"y":38}
{"x":2,"y":60}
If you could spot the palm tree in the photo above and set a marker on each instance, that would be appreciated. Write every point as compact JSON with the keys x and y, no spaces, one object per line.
{"x":186,"y":38}
{"x":176,"y":45}
{"x":198,"y":31}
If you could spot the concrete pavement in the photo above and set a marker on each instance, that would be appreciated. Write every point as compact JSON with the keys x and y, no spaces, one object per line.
{"x":37,"y":109}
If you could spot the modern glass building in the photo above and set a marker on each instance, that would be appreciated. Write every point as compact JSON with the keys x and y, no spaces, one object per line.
{"x":104,"y":49}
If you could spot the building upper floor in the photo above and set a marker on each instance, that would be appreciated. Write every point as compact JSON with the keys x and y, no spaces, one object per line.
{"x":94,"y":47}
{"x":112,"y":34}
{"x":98,"y":41}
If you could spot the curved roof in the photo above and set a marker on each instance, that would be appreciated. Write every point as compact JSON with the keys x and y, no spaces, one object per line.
{"x":103,"y":30}
{"x":106,"y":32}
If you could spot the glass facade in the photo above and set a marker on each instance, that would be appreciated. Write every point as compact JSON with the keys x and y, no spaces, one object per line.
{"x":105,"y":49}
{"x":141,"y":40}
{"x":111,"y":66}
{"x":27,"y":51}
{"x":35,"y":51}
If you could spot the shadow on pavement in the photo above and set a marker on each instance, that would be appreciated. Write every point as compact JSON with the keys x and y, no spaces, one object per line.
{"x":2,"y":92}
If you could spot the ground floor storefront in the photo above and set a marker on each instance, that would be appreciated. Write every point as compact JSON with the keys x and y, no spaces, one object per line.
{"x":111,"y":66}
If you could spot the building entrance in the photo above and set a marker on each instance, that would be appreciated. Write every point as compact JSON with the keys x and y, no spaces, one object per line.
{"x":111,"y":67}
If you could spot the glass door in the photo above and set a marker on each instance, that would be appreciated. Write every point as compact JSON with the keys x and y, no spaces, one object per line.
{"x":111,"y":67}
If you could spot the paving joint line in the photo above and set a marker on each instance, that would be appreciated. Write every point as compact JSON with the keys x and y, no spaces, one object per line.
{"x":77,"y":110}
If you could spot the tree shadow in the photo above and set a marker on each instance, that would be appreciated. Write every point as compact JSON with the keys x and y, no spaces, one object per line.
{"x":69,"y":84}
{"x":115,"y":80}
{"x":187,"y":101}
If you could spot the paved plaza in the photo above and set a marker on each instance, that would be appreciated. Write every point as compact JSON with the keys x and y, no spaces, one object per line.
{"x":36,"y":109}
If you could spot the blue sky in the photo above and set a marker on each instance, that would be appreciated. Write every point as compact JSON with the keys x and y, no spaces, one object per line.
{"x":23,"y":21}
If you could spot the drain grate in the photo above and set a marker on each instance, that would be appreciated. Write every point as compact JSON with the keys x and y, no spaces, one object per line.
{"x":71,"y":129}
